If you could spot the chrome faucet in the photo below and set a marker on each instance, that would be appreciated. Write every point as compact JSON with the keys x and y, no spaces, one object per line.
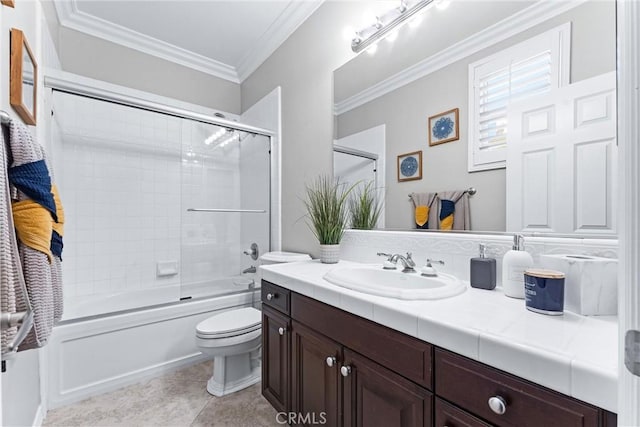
{"x":251,"y":269}
{"x":407,"y":262}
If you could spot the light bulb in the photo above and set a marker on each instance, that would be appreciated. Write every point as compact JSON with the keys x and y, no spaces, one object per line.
{"x":372,"y":49}
{"x":393,"y":35}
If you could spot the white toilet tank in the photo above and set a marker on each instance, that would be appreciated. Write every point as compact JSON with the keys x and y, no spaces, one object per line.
{"x":279,"y":257}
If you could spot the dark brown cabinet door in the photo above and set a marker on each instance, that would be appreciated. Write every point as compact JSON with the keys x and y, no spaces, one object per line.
{"x":448,"y":415}
{"x":315,"y":377}
{"x":276,"y":358}
{"x":377,"y":397}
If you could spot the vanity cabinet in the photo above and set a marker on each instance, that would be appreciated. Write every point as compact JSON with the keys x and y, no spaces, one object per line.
{"x":332,"y":366}
{"x":276,"y":346}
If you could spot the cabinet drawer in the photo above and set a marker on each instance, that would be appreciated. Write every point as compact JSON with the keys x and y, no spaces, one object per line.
{"x":275,"y":296}
{"x":470,"y":385}
{"x":448,"y":415}
{"x":403,"y":354}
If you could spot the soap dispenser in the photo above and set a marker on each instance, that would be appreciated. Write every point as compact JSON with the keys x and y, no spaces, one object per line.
{"x":514,"y":263}
{"x":483,"y":271}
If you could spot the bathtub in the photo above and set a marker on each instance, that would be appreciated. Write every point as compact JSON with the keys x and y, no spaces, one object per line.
{"x":88,"y":356}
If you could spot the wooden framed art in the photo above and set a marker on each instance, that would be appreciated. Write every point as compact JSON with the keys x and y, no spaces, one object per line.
{"x":23,"y":78}
{"x":410,"y":166}
{"x":444,"y":127}
{"x":10,"y":3}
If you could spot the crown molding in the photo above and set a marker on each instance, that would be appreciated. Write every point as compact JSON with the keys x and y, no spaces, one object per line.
{"x":291,"y":18}
{"x":502,"y":30}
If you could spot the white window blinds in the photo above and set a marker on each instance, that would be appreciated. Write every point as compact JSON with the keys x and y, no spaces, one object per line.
{"x":529,"y":68}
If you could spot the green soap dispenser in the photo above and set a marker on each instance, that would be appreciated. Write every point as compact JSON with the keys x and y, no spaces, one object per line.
{"x":483,"y":271}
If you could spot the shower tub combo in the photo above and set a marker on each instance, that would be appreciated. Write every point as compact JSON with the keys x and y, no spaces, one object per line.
{"x":161,"y":205}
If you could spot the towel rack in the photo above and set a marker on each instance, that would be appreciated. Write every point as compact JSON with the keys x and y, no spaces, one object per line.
{"x":228,"y":210}
{"x":470,"y":191}
{"x":4,"y":117}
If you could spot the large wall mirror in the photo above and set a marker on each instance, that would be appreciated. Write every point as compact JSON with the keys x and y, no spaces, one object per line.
{"x":24,"y":72}
{"x":544,"y":162}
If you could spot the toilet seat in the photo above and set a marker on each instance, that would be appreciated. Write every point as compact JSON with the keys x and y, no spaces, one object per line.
{"x":231,"y":323}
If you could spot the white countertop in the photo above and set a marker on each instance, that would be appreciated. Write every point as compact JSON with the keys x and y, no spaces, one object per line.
{"x":572,"y":354}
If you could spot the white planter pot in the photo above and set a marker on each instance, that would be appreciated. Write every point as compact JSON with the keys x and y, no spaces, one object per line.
{"x":329,"y":254}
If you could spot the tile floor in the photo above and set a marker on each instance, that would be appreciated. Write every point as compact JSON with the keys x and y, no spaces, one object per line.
{"x":176,"y":399}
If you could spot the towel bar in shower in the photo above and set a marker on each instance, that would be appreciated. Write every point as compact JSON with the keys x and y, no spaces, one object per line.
{"x":228,"y":210}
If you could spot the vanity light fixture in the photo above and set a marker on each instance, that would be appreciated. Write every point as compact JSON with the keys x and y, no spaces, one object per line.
{"x":386,"y":23}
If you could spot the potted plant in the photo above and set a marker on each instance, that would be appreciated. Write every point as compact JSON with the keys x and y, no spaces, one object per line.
{"x":326,"y":204}
{"x":365,"y":207}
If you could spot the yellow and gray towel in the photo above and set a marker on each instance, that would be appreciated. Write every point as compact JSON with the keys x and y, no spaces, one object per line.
{"x":422,"y":204}
{"x":453,"y":210}
{"x":38,"y":218}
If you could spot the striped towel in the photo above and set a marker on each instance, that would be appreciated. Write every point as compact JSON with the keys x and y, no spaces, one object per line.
{"x":42,"y":278}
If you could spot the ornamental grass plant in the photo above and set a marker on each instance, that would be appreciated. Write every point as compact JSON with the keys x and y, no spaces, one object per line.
{"x":365,"y":207}
{"x":326,"y":203}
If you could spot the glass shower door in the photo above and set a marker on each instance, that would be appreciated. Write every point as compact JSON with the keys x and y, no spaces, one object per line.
{"x":225,"y":207}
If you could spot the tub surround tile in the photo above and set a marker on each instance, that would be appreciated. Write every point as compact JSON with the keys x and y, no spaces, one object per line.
{"x":486,"y":326}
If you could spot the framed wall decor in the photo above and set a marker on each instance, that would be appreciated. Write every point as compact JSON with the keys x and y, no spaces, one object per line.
{"x":23,"y":78}
{"x":410,"y":166}
{"x":444,"y":127}
{"x":10,"y":3}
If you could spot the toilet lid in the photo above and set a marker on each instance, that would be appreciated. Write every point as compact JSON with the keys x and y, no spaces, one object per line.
{"x":230,"y":323}
{"x":280,"y":256}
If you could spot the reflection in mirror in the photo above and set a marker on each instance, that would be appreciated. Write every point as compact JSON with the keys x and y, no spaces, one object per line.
{"x":360,"y":159}
{"x":498,"y":63}
{"x":24,"y":77}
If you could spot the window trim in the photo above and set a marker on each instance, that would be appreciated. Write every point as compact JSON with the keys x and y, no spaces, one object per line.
{"x":559,"y":39}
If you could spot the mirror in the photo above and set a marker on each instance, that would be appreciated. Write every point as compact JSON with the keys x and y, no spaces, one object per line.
{"x":23,"y":78}
{"x":425,"y":72}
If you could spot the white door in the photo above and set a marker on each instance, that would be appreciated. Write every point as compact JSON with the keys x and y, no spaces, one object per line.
{"x":561,"y":160}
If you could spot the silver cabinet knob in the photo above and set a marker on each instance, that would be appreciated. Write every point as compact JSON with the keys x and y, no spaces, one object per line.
{"x":331,"y":361}
{"x":345,"y":370}
{"x":498,"y":404}
{"x":282,"y":330}
{"x":271,"y":296}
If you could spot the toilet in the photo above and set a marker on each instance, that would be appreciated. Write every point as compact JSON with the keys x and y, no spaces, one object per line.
{"x":233,"y":339}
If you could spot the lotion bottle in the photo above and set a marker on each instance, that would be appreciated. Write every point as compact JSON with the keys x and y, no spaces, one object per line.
{"x":482,"y":274}
{"x":514,"y":263}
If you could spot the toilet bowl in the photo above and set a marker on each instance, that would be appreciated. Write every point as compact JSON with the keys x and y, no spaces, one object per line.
{"x":233,"y":339}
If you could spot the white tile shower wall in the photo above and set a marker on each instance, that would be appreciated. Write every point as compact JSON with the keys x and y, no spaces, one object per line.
{"x":456,"y":249}
{"x":120,"y":183}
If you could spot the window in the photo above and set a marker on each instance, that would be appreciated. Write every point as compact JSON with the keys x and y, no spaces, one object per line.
{"x":535,"y":66}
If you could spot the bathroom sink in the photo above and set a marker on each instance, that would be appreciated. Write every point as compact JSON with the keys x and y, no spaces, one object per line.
{"x":374,"y":280}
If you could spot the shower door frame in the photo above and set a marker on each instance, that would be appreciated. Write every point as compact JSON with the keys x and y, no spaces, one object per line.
{"x":55,"y":80}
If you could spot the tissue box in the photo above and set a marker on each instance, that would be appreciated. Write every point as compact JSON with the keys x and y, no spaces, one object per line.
{"x":591,"y":283}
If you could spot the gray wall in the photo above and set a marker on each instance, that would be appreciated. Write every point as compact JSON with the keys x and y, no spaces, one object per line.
{"x":303,"y":67}
{"x":405,"y":112}
{"x":100,"y":59}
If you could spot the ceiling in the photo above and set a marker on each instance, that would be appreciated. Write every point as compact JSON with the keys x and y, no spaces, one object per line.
{"x":227,"y":39}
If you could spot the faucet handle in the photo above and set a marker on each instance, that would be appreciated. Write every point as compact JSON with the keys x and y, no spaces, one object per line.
{"x":410,"y":260}
{"x":388,"y":264}
{"x":434,"y":261}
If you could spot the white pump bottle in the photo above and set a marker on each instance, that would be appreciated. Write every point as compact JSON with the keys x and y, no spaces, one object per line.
{"x":514,"y":263}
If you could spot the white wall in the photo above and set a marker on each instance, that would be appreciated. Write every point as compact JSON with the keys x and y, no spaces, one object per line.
{"x":100,"y":59}
{"x":21,"y":383}
{"x":316,"y":48}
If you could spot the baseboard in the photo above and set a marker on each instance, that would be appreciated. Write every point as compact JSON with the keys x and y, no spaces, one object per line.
{"x":39,"y":417}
